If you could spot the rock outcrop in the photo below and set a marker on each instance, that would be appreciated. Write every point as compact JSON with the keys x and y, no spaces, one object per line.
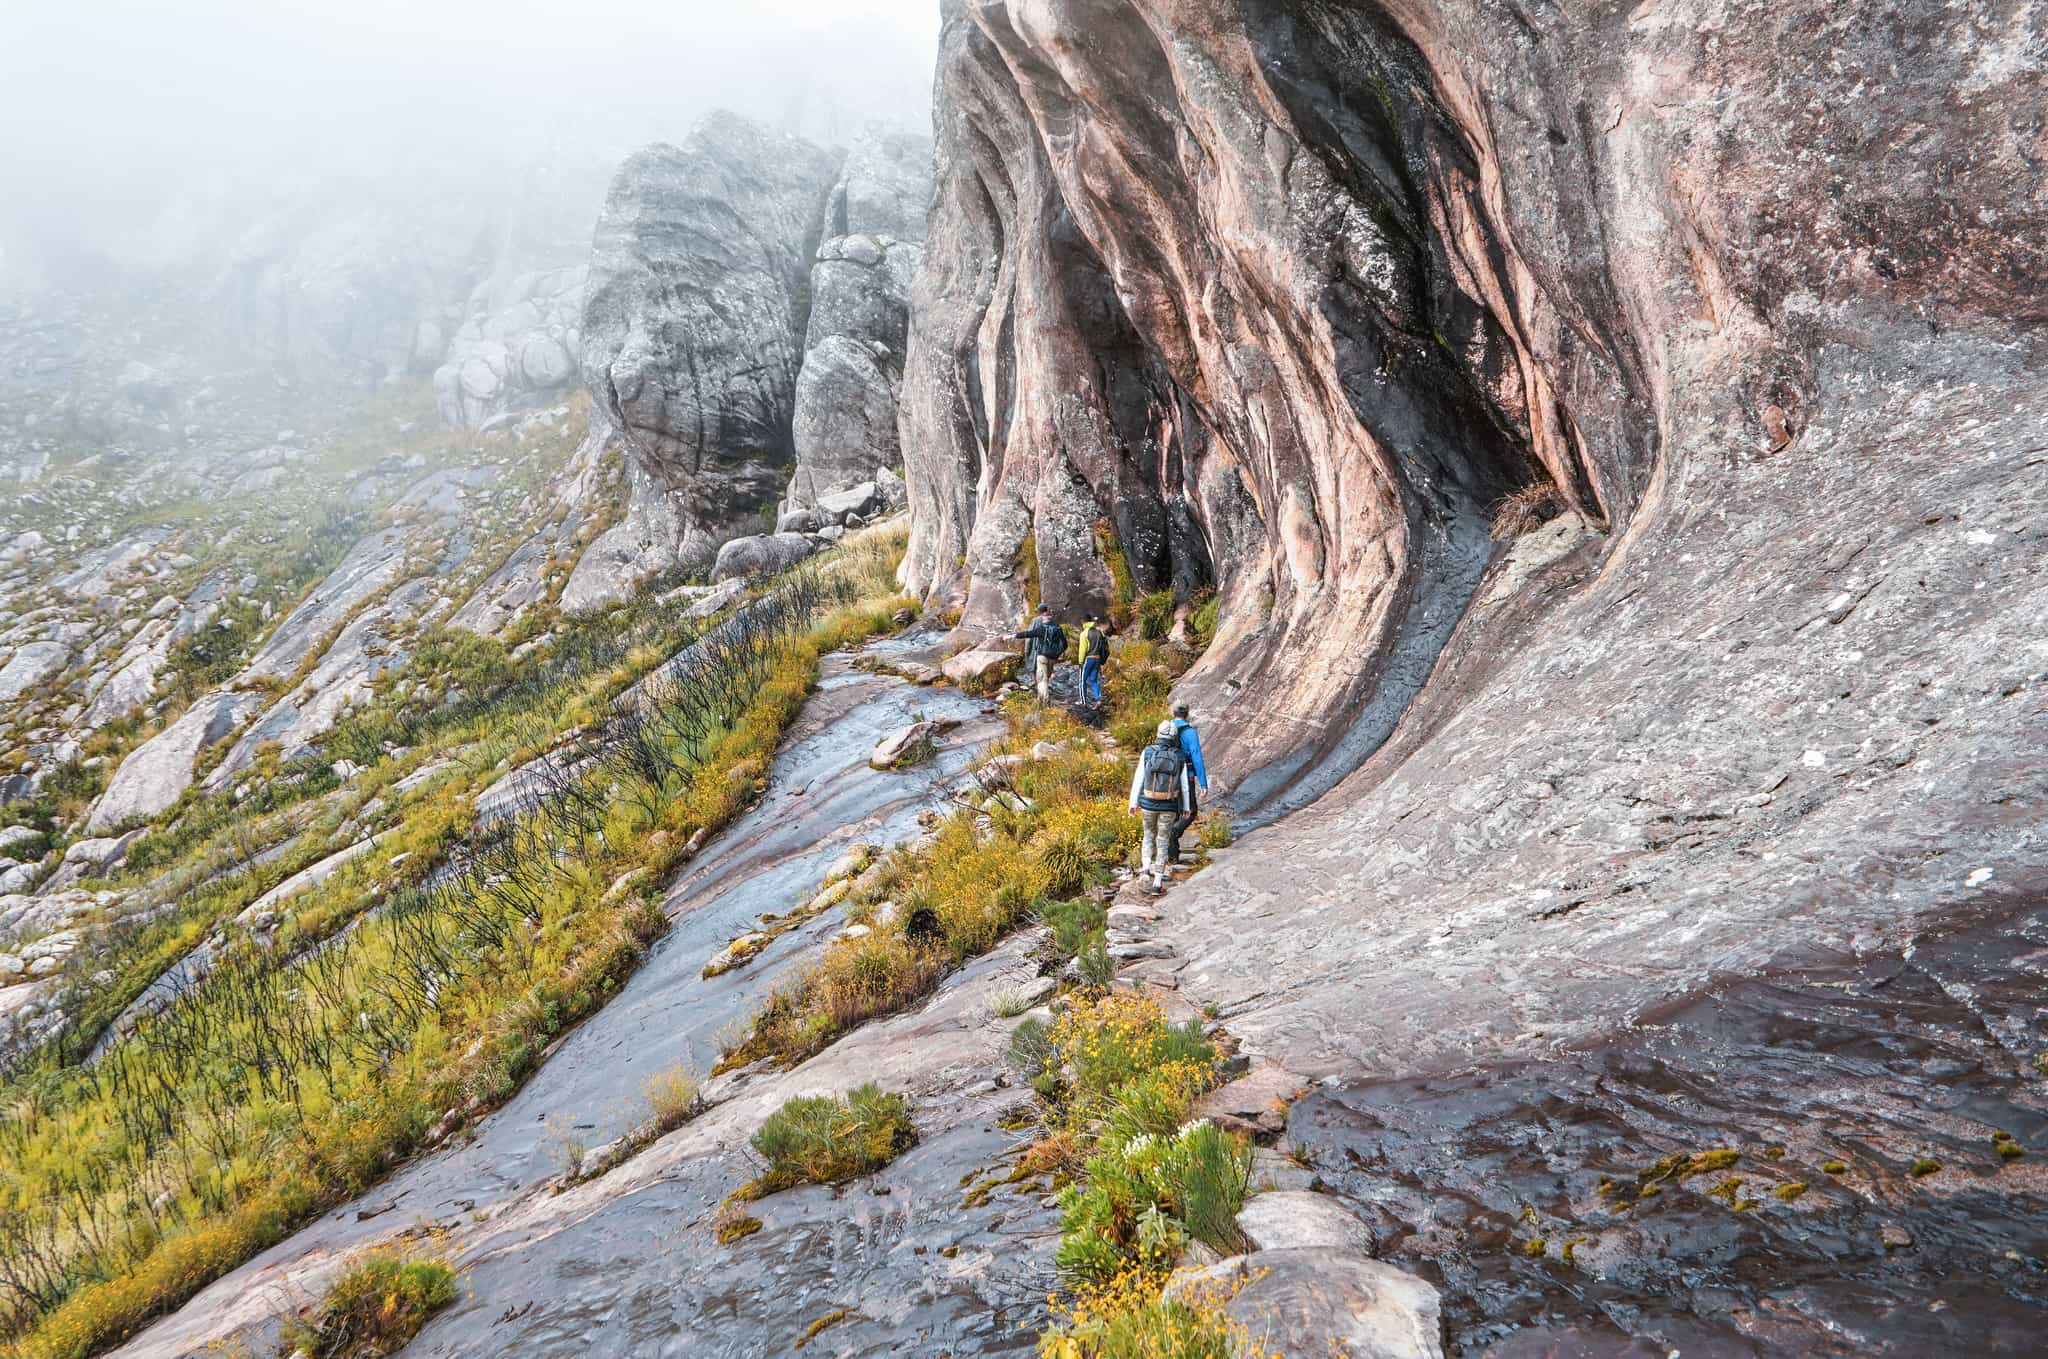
{"x":844,"y":425}
{"x":760,"y":555}
{"x":157,"y":772}
{"x":693,"y":321}
{"x":32,"y":665}
{"x":1186,"y":283}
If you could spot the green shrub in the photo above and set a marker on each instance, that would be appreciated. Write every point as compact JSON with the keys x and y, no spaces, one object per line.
{"x":74,"y":781}
{"x":1073,"y":923}
{"x":1096,"y":966}
{"x":1214,"y":831}
{"x":1202,"y":622}
{"x":1153,"y":1105}
{"x":818,"y":1140}
{"x":1127,"y":1320}
{"x":1031,"y":1052}
{"x":375,"y":1307}
{"x":1115,"y":1038}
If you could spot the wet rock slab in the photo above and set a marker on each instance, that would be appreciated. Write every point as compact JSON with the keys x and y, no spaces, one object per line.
{"x":1827,"y":1082}
{"x":627,"y":1264}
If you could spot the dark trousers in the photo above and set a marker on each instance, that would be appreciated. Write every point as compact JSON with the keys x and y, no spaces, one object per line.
{"x":1180,"y":827}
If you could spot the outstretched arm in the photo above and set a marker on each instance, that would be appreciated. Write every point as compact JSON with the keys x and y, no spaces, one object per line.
{"x":1191,"y":742}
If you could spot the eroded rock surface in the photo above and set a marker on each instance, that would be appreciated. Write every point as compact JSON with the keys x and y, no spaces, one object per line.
{"x":1290,"y":296}
{"x":628,"y":1261}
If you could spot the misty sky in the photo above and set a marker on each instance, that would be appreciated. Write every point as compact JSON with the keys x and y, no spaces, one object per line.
{"x":114,"y":109}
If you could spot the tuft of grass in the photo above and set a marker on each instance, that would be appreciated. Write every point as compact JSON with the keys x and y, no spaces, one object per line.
{"x":733,"y":1225}
{"x":673,"y":1098}
{"x":1155,"y":615}
{"x":1923,"y":1167}
{"x":1095,"y":964}
{"x":379,"y":1303}
{"x":1835,"y":1167}
{"x":1123,"y":589}
{"x":1009,"y":1004}
{"x":832,"y":1318}
{"x":1529,"y":508}
{"x":1789,"y":1192}
{"x":814,"y":1139}
{"x":1032,"y":1053}
{"x":1203,"y":620}
{"x":1214,"y":830}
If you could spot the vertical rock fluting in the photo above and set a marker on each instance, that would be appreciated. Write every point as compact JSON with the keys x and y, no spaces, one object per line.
{"x":694,"y":316}
{"x":1157,"y":297}
{"x":844,"y":424}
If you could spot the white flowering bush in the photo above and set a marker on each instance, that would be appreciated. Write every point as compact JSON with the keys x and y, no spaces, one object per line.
{"x":1144,"y":1195}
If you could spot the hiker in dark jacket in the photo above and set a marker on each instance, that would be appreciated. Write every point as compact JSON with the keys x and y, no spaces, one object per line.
{"x":1094,"y":651}
{"x":1191,"y":745}
{"x":1044,"y":641}
{"x":1162,"y":791}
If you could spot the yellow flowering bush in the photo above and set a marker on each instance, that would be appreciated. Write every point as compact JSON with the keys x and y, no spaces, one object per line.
{"x":1113,"y":1038}
{"x":1126,"y":1317}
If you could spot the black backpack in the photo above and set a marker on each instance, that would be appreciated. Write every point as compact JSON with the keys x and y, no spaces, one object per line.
{"x":1053,"y":642}
{"x":1163,"y":771}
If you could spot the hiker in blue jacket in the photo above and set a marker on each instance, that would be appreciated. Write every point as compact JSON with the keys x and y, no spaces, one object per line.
{"x":1191,"y":746}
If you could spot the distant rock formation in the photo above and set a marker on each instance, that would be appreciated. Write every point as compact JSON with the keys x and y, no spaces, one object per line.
{"x":845,"y":421}
{"x":345,"y":301}
{"x":521,"y":345}
{"x":693,"y":321}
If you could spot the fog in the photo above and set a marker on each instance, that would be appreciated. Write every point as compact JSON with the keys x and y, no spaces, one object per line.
{"x":137,"y":134}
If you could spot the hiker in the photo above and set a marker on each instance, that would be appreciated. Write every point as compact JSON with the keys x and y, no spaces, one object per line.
{"x":1191,"y":746}
{"x":1094,"y":651}
{"x":1044,"y":642}
{"x":1162,"y":790}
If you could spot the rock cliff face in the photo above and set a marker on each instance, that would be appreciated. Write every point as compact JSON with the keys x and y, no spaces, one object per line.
{"x":1631,"y":821}
{"x":694,"y":317}
{"x":1292,"y":294}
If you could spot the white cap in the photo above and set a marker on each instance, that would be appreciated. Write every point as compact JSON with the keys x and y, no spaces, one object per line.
{"x":1168,"y":730}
